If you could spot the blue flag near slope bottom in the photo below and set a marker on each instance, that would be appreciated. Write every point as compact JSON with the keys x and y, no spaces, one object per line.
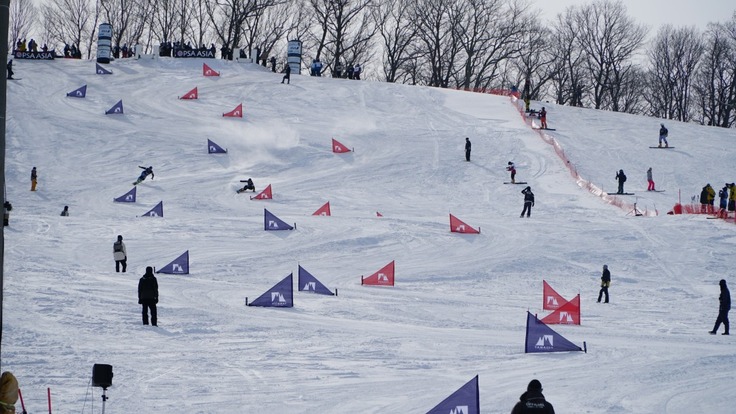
{"x":271,"y":222}
{"x":80,"y":92}
{"x":213,"y":148}
{"x":465,"y":400}
{"x":309,"y":283}
{"x":128,"y":197}
{"x":281,"y":295}
{"x":116,"y":109}
{"x":157,"y":211}
{"x":180,"y":265}
{"x":541,"y":338}
{"x":102,"y":71}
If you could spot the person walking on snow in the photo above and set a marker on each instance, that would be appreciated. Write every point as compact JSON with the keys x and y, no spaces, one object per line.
{"x":512,"y":168}
{"x":148,"y":296}
{"x":543,"y":118}
{"x":120,"y":254}
{"x":532,"y":401}
{"x":650,"y":187}
{"x":287,"y":74}
{"x":145,"y":173}
{"x":725,"y":306}
{"x":605,"y":283}
{"x":528,"y":201}
{"x":621,"y":177}
{"x":34,"y":179}
{"x":467,"y":149}
{"x":663,"y":136}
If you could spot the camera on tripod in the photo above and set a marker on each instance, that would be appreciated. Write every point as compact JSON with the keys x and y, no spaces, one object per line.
{"x":102,"y":377}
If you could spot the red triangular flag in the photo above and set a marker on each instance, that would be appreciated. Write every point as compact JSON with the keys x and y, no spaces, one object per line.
{"x":337,"y":147}
{"x":323,"y":211}
{"x":383,"y":277}
{"x":378,"y":214}
{"x":236,"y":113}
{"x":191,"y":94}
{"x":552,"y":300}
{"x":568,"y":313}
{"x":458,"y":226}
{"x":208,"y":71}
{"x":263,"y":195}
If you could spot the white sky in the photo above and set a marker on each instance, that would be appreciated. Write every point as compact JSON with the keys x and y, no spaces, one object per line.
{"x":459,"y":305}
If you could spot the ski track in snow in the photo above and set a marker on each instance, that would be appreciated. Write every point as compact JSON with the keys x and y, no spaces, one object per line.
{"x":458,"y":307}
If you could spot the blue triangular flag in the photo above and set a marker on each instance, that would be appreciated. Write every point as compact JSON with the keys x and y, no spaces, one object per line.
{"x":281,"y":295}
{"x":271,"y":222}
{"x":102,"y":71}
{"x":465,"y":400}
{"x":80,"y":92}
{"x":180,"y":265}
{"x":116,"y":109}
{"x":128,"y":197}
{"x":309,"y":283}
{"x":157,"y":211}
{"x":213,"y":148}
{"x":541,"y":338}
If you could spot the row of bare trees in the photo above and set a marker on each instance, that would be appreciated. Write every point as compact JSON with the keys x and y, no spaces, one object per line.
{"x":592,"y":55}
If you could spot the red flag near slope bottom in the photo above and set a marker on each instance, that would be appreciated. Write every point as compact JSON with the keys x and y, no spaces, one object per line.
{"x":551,"y":299}
{"x":383,"y":277}
{"x":235,"y":113}
{"x":567,"y":314}
{"x":191,"y":94}
{"x":458,"y":226}
{"x":208,"y":71}
{"x":323,"y":211}
{"x":339,"y":148}
{"x":266,"y":194}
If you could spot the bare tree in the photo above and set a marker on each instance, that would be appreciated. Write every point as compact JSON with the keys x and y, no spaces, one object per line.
{"x":268,"y":26}
{"x":673,"y":59}
{"x":568,"y":76}
{"x":397,"y":34}
{"x":715,"y":84}
{"x":535,"y":62}
{"x":610,"y":39}
{"x":72,"y":21}
{"x":198,"y":23}
{"x":439,"y":46}
{"x":119,"y":14}
{"x":22,"y":18}
{"x":228,"y":18}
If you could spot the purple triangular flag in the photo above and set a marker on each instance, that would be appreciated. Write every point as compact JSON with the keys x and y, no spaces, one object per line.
{"x":213,"y":148}
{"x":465,"y":400}
{"x":281,"y":295}
{"x":116,"y":109}
{"x":309,"y":283}
{"x":157,"y":211}
{"x":102,"y":71}
{"x":180,"y":265}
{"x":128,"y":197}
{"x":80,"y":92}
{"x":541,"y":338}
{"x":271,"y":222}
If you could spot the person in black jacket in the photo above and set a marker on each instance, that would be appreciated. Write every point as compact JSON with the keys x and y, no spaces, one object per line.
{"x":145,"y":173}
{"x":605,"y":283}
{"x":723,"y":309}
{"x":532,"y":401}
{"x":621,"y":177}
{"x":528,"y":201}
{"x":10,"y":69}
{"x":287,"y":74}
{"x":148,"y":296}
{"x":467,"y":149}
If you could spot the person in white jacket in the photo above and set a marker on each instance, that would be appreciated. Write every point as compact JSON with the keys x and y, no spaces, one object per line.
{"x":120,"y":254}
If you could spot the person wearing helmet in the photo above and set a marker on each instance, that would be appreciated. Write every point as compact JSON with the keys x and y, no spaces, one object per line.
{"x":467,"y":149}
{"x":605,"y":283}
{"x":528,"y":201}
{"x":145,"y":173}
{"x":663,"y":136}
{"x":512,"y":168}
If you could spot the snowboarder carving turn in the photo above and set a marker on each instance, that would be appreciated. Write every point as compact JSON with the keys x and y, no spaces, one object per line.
{"x":145,"y":173}
{"x":248,"y":186}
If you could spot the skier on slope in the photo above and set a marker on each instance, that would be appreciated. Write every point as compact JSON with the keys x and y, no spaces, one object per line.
{"x":512,"y":168}
{"x":145,"y":173}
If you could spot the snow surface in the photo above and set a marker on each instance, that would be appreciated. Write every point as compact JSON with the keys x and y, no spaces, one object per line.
{"x":459,"y":305}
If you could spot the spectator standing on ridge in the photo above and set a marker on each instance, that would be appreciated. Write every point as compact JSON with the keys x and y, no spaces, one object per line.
{"x":337,"y":73}
{"x":10,"y":69}
{"x":723,"y":308}
{"x":732,"y":197}
{"x":543,"y":118}
{"x":287,"y":74}
{"x":65,"y":212}
{"x":148,"y":296}
{"x":120,"y":254}
{"x":356,"y":71}
{"x":707,"y":198}
{"x":512,"y":168}
{"x":528,"y":201}
{"x":605,"y":283}
{"x":650,"y":186}
{"x":273,"y":64}
{"x":467,"y":149}
{"x":532,"y":401}
{"x":723,"y":198}
{"x":34,"y":179}
{"x":621,"y":177}
{"x":6,"y":216}
{"x":663,"y":136}
{"x":350,"y":71}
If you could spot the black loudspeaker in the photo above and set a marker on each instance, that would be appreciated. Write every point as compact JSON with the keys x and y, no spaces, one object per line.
{"x":102,"y":375}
